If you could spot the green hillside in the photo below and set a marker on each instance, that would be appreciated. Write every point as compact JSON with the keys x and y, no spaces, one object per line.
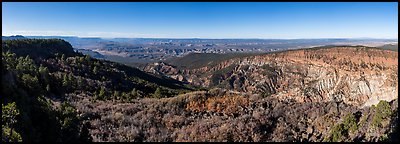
{"x":38,"y":76}
{"x":393,"y":47}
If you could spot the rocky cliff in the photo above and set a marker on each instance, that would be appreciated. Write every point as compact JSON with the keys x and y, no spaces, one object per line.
{"x":359,"y":76}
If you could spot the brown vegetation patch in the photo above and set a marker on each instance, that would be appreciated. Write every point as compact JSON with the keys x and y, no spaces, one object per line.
{"x":225,"y":104}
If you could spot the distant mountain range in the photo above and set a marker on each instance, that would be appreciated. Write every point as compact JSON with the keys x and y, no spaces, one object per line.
{"x":12,"y":37}
{"x":133,"y":51}
{"x":73,"y":39}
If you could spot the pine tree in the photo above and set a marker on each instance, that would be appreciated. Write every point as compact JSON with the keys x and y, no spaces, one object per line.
{"x":87,"y":58}
{"x":65,"y":81}
{"x":44,"y":73}
{"x":158,"y":93}
{"x":80,"y":81}
{"x":102,"y":93}
{"x":9,"y":118}
{"x":95,"y":70}
{"x":71,"y":78}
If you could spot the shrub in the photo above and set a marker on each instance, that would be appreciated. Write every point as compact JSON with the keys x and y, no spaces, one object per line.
{"x":338,"y":132}
{"x":158,"y":93}
{"x":10,"y":135}
{"x":383,"y":138}
{"x":383,"y":111}
{"x":350,"y":123}
{"x":69,"y":122}
{"x":8,"y":117}
{"x":101,"y":95}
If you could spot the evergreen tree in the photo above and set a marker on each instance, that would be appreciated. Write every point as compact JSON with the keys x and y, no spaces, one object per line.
{"x":102,"y":93}
{"x":44,"y":73}
{"x":87,"y":58}
{"x":71,"y":79}
{"x":95,"y":70}
{"x":65,"y":82}
{"x":158,"y":93}
{"x":8,"y":117}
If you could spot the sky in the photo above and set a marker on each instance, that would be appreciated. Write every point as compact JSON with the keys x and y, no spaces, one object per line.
{"x":264,"y":20}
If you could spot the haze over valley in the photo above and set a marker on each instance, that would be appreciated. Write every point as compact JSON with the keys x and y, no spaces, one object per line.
{"x":145,"y":50}
{"x":199,"y":72}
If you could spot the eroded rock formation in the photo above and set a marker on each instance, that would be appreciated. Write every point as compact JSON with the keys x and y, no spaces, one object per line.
{"x":357,"y":76}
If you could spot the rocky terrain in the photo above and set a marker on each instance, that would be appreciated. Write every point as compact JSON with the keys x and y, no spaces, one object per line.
{"x":53,"y":94}
{"x":222,"y":116}
{"x":320,"y":94}
{"x":358,"y":76}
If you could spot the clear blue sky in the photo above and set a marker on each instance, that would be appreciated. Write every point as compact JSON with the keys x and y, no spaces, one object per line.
{"x":202,"y":20}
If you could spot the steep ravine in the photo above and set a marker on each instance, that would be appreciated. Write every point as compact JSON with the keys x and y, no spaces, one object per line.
{"x":357,"y":76}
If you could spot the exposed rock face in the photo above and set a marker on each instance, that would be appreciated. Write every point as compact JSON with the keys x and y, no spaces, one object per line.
{"x":309,"y":95}
{"x":357,"y":76}
{"x":162,"y":68}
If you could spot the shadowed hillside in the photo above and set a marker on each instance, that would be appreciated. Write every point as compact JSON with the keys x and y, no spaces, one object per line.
{"x":393,"y":47}
{"x":40,"y":77}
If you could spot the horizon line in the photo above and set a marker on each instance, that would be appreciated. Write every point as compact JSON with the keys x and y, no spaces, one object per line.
{"x":194,"y":37}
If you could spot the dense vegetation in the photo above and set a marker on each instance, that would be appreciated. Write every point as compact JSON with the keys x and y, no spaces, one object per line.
{"x":28,"y":115}
{"x":39,"y":76}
